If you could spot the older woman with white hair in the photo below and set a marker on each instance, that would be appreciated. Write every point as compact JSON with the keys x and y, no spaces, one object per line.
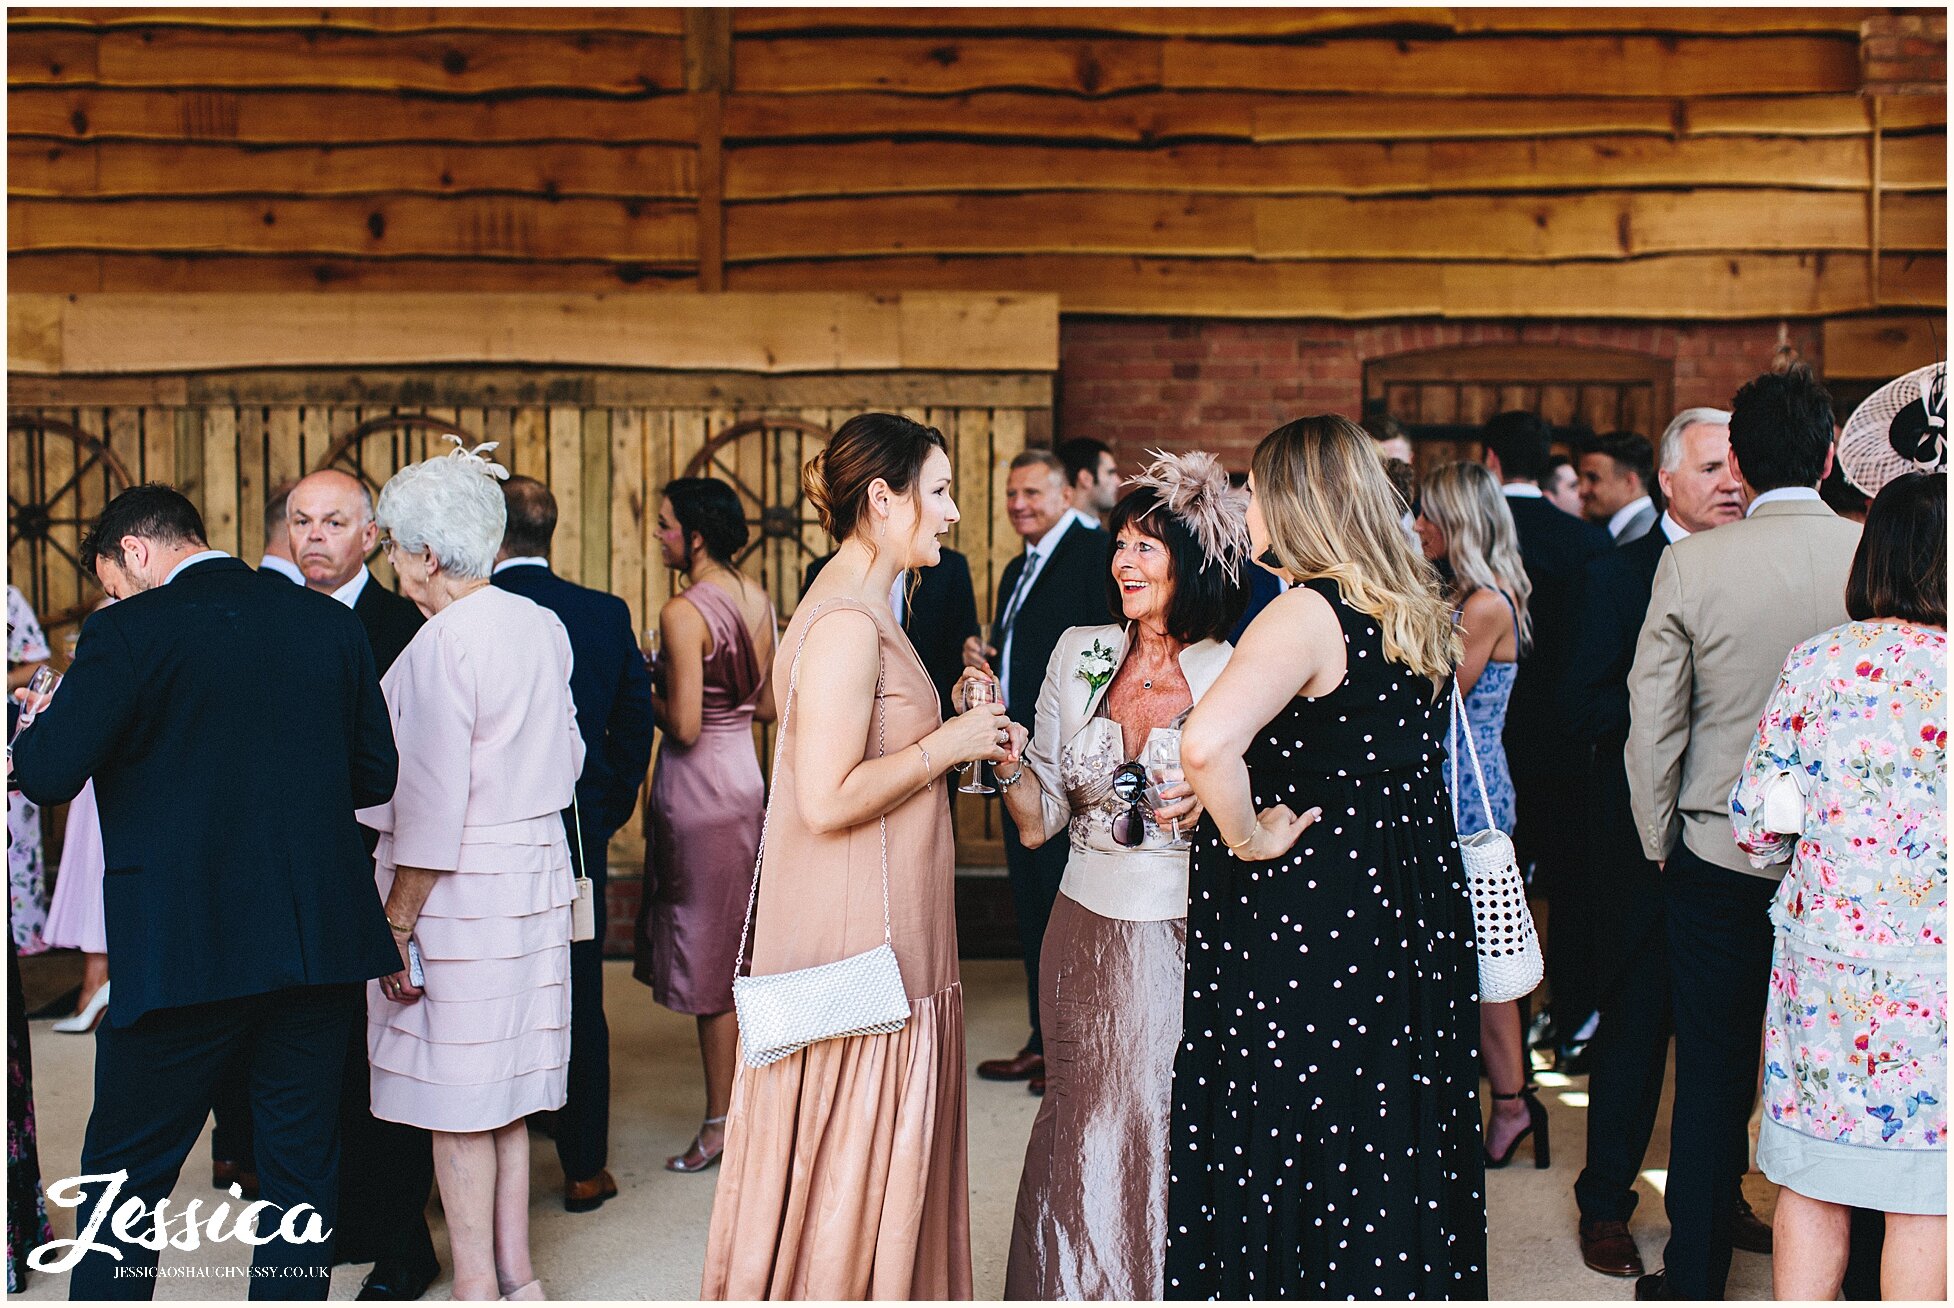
{"x":473,"y":1033}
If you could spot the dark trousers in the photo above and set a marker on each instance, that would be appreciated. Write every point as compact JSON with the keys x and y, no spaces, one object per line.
{"x":1550,"y":782}
{"x":154,"y":1083}
{"x":1720,"y":940}
{"x":1628,"y":1059}
{"x":1035,"y":874}
{"x":583,"y":1125}
{"x":230,"y":1113}
{"x":386,"y":1173}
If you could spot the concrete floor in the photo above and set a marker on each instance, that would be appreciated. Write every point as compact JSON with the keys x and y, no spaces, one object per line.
{"x":649,"y":1242}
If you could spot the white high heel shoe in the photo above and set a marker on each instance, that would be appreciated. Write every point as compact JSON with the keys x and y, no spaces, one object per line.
{"x":84,"y":1021}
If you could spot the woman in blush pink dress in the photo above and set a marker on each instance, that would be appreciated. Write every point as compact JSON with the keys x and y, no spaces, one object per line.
{"x":75,"y":918}
{"x":707,"y":797}
{"x":474,"y":867}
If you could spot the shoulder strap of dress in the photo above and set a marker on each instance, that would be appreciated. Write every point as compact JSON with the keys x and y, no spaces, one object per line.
{"x":821,"y":610}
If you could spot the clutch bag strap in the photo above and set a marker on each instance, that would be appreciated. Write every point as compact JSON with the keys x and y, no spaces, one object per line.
{"x":881,"y":748}
{"x":1464,"y":728}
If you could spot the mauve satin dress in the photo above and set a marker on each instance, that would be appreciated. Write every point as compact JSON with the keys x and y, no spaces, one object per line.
{"x":704,"y":812}
{"x":845,"y":1174}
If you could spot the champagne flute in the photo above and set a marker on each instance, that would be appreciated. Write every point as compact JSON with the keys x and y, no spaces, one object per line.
{"x":43,"y":682}
{"x":977,"y":692}
{"x":1162,"y":757}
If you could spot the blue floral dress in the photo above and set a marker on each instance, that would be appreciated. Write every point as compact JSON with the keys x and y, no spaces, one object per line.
{"x":1855,"y":1036}
{"x":1485,"y":717}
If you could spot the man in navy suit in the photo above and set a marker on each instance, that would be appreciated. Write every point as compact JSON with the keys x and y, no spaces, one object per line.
{"x":1549,"y":765}
{"x":1058,"y":582}
{"x":240,"y":907}
{"x":386,"y":1168}
{"x":1631,"y":955}
{"x":612,"y":691}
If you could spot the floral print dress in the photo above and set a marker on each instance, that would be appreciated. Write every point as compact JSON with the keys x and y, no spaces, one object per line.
{"x":1855,"y":1040}
{"x":27,"y":897}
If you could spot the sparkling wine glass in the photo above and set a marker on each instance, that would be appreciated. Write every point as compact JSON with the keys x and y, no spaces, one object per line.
{"x":974,"y":693}
{"x":41,"y":683}
{"x":1162,"y":758}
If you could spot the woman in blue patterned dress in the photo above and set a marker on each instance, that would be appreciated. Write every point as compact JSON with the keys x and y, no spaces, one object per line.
{"x":1465,"y":527}
{"x":1852,"y":753}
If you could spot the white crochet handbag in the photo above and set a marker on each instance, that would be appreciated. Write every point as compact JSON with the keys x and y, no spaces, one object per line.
{"x":1510,"y":962}
{"x":862,"y":994}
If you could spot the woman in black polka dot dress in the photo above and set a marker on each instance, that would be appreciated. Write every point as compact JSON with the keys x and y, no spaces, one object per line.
{"x":1326,"y":1138}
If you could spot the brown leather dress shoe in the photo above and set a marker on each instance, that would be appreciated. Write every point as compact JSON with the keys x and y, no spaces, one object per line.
{"x":1654,"y":1286}
{"x":1748,"y":1231}
{"x":1608,"y":1248}
{"x":1020,"y":1067}
{"x":585,"y":1196}
{"x":1037,"y":1085}
{"x":223,"y":1175}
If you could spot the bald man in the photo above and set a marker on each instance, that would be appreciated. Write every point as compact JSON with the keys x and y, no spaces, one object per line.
{"x":329,"y":516}
{"x":386,"y":1169}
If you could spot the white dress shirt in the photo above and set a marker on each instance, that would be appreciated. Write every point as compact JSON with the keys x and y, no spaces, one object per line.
{"x":521,"y":561}
{"x":1626,"y":514}
{"x":349,"y":594}
{"x":1674,"y":530}
{"x":1036,"y":556}
{"x":202,"y":556}
{"x":284,"y":567}
{"x":1782,"y":493}
{"x":1523,"y":490}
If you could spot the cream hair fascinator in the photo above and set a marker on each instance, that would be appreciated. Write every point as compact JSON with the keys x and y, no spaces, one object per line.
{"x":1195,"y":488}
{"x":486,"y":466}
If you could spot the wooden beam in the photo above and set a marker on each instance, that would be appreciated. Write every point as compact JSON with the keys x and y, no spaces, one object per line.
{"x":470,"y":226}
{"x":344,"y":116}
{"x":1875,"y":349}
{"x":708,"y":74}
{"x":765,"y":334}
{"x":643,"y":20}
{"x":1663,"y":287}
{"x":453,"y":62}
{"x":1164,"y":117}
{"x":1636,"y":66}
{"x":1340,"y":167}
{"x":1595,"y":224}
{"x":1269,"y":23}
{"x":131,"y":168}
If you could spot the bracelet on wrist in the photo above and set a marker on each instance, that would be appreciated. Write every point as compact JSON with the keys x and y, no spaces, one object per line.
{"x":929,"y":768}
{"x":1004,"y":782}
{"x":1236,"y":846}
{"x":398,"y":929}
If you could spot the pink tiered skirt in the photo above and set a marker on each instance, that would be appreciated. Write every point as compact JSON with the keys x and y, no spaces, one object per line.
{"x":75,"y":918}
{"x":489,"y":1043}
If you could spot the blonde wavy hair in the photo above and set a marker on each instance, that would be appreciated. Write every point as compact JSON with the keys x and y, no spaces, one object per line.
{"x":1331,"y":512}
{"x":1481,"y":543}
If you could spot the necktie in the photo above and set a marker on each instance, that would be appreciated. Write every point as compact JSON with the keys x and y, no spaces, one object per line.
{"x":1019,"y":594}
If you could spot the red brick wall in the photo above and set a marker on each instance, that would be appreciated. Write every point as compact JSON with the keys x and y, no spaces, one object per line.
{"x":1221,"y":385}
{"x":1904,"y":54}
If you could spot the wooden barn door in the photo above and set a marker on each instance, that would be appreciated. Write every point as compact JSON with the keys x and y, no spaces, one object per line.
{"x":1442,"y":396}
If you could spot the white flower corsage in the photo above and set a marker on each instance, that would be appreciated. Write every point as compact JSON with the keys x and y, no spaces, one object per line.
{"x":1096,"y":666}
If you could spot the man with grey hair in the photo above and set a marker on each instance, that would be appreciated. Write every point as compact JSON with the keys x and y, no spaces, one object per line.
{"x":278,"y":539}
{"x":1631,"y":956}
{"x":329,"y":516}
{"x":1058,"y":582}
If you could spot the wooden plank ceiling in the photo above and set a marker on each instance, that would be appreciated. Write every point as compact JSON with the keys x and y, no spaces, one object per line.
{"x":1705,"y":163}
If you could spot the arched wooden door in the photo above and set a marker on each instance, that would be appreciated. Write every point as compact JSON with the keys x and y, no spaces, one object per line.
{"x":1443,"y":395}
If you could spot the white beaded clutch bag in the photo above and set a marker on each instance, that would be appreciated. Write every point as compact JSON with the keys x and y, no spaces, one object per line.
{"x":862,"y":994}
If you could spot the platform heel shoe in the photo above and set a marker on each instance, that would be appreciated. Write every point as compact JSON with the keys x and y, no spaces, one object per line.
{"x":1536,"y":1127}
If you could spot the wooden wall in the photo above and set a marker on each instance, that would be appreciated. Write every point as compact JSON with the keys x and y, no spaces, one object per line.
{"x":1284,"y":163}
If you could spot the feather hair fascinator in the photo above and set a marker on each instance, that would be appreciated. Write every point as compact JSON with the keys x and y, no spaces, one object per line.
{"x":478,"y":456}
{"x":1195,"y":488}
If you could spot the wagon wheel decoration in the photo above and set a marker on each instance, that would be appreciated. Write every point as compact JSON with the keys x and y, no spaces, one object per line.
{"x":761,"y":459}
{"x":344,"y":453}
{"x":36,"y":509}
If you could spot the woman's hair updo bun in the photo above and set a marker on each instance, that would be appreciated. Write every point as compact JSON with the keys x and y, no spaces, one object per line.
{"x":868,"y":447}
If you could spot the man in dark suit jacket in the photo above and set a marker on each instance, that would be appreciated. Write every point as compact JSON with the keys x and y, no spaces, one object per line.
{"x":240,"y":906}
{"x":386,"y":1168}
{"x":612,"y":691}
{"x":1631,"y":956}
{"x":1549,"y":765}
{"x":1058,"y":582}
{"x":939,"y":617}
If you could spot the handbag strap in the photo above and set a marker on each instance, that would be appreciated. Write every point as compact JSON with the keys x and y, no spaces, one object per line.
{"x":576,"y":816}
{"x":1463,"y":728}
{"x":766,"y":817}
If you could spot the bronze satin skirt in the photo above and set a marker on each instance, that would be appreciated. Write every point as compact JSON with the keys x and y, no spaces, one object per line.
{"x":1091,"y":1221}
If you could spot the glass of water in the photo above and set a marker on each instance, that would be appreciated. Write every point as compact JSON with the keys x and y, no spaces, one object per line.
{"x":1162,"y":758}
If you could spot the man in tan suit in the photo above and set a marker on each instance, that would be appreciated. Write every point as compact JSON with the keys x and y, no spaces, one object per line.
{"x":1728,"y":605}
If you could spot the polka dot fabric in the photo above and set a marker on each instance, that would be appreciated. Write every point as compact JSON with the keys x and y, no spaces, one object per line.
{"x":1325,"y":1138}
